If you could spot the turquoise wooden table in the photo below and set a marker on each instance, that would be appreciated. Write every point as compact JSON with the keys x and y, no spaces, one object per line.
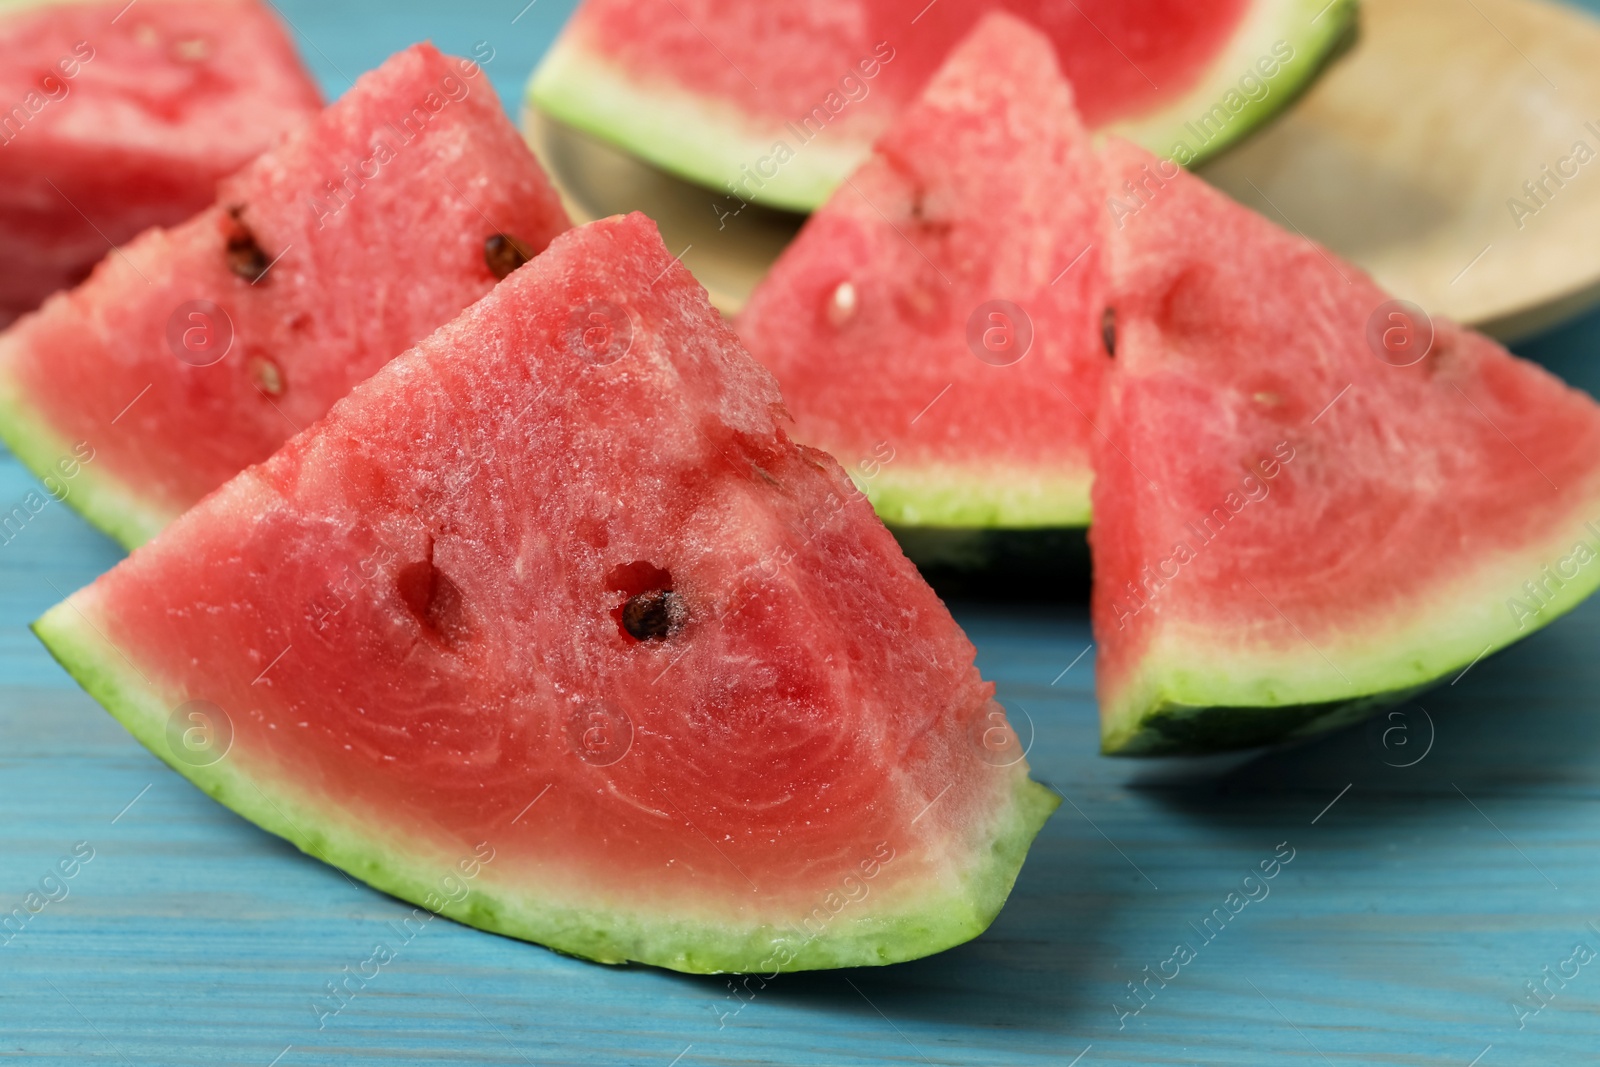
{"x":1429,"y":871}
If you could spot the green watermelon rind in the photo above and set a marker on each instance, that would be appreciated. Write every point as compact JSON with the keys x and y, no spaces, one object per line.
{"x":704,"y":140}
{"x":1317,"y":30}
{"x":1190,"y":701}
{"x":696,"y":138}
{"x":938,"y":497}
{"x":942,"y":916}
{"x":96,"y":494}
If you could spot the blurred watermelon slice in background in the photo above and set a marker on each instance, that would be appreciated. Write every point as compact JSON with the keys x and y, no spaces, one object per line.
{"x":776,"y":103}
{"x":197,"y":351}
{"x":115,"y":117}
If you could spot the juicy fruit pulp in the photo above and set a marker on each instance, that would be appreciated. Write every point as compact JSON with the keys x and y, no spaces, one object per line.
{"x":554,"y":588}
{"x":944,"y":307}
{"x":115,"y":118}
{"x":776,"y":103}
{"x":195,"y":352}
{"x":1303,"y":508}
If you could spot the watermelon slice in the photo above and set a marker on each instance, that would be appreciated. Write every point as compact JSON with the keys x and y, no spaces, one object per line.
{"x":549,"y":628}
{"x":195,"y":352}
{"x":117,"y":117}
{"x":944,"y":306}
{"x":1310,"y":501}
{"x":776,"y":103}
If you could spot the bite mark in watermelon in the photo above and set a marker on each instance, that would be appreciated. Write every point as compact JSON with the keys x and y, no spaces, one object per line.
{"x":1291,"y":531}
{"x":414,"y":622}
{"x":194,"y":352}
{"x":115,"y":118}
{"x":936,"y":324}
{"x":710,"y":89}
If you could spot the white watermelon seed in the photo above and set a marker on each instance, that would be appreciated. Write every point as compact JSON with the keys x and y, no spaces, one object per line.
{"x":842,"y":305}
{"x":268,"y":376}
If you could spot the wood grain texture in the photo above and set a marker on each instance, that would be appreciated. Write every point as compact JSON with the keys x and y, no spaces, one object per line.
{"x":1407,"y":155}
{"x":1413,"y":911}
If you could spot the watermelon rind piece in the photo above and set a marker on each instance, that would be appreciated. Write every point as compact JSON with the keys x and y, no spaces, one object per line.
{"x":943,"y":917}
{"x":1318,"y":32}
{"x":104,"y":500}
{"x":705,"y":140}
{"x":1194,"y":697}
{"x":694,"y":137}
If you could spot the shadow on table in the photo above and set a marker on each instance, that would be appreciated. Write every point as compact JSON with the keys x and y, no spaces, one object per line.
{"x":1031,"y":971}
{"x":1525,"y":721}
{"x":1002,"y":566}
{"x":1037,"y":969}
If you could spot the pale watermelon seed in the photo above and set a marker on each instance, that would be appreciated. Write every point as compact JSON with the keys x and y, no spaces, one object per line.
{"x":842,"y":305}
{"x":197,"y":50}
{"x":267,"y":376}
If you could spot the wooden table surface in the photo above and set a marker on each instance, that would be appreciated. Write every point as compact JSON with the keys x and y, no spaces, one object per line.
{"x":1418,"y":903}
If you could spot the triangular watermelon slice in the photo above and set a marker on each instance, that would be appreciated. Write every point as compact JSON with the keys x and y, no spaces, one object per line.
{"x":548,"y":627}
{"x":1310,"y":501}
{"x":936,"y":324}
{"x":115,"y":117}
{"x":194,"y":352}
{"x":777,"y":103}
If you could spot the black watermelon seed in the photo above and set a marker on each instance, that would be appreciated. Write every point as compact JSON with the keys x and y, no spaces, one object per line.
{"x":433,"y":598}
{"x":504,"y":254}
{"x":1108,"y":330}
{"x":245,"y":257}
{"x":655,"y":615}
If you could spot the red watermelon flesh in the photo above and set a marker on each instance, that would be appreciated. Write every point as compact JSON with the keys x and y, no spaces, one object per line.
{"x":707,"y":87}
{"x":116,"y":117}
{"x":373,"y":225}
{"x":1290,"y":528}
{"x":555,"y":588}
{"x":883,"y":321}
{"x":797,"y":55}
